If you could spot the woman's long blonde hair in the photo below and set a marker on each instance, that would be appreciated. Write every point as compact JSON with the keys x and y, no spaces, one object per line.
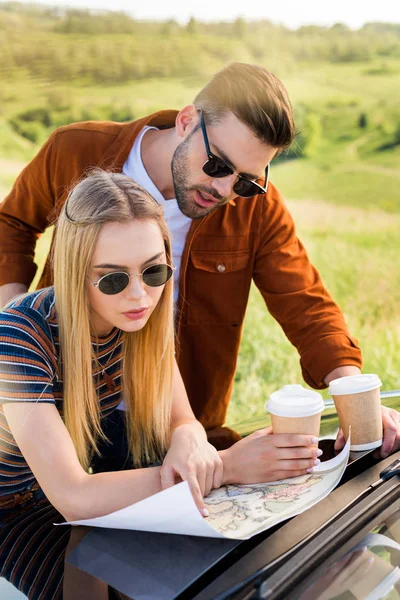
{"x":148,"y":354}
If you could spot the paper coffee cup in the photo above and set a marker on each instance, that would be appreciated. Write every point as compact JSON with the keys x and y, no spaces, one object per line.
{"x":358,"y":404}
{"x":295,"y":409}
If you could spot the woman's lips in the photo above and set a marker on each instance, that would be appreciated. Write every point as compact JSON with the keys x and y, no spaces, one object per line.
{"x":134,"y":315}
{"x":205,"y":201}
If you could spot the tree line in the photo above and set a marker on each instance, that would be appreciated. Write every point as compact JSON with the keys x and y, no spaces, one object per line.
{"x":110,"y":47}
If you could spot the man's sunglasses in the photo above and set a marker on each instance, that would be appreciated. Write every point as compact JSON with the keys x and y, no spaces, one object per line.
{"x":114,"y":283}
{"x":215,"y":167}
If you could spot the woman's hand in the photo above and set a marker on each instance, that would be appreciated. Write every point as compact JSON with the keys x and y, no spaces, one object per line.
{"x":191,"y":458}
{"x":262,"y":457}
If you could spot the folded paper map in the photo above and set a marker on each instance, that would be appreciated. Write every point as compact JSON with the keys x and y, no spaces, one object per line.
{"x":236,"y":511}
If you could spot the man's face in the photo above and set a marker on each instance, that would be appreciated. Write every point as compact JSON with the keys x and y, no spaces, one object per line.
{"x":198,"y":194}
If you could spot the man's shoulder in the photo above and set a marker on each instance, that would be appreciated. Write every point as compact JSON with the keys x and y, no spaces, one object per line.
{"x":111,"y":128}
{"x":89,"y":135}
{"x":91,"y":142}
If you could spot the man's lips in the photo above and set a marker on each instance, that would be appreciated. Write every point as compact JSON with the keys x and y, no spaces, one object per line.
{"x":205,"y":200}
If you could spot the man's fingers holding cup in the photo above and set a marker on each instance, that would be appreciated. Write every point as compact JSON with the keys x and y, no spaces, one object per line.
{"x":391,"y":431}
{"x":340,"y":441}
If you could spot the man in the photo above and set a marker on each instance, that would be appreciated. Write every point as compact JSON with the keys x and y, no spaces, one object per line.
{"x":208,"y":166}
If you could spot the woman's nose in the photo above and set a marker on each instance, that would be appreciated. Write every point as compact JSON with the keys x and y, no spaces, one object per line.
{"x":136,"y":287}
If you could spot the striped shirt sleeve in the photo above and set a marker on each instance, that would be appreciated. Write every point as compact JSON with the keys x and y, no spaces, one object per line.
{"x":27,"y":357}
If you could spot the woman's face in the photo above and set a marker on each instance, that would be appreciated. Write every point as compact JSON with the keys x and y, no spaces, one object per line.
{"x":128,"y":247}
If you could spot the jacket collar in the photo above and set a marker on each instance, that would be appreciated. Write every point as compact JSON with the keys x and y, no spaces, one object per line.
{"x":118,"y":152}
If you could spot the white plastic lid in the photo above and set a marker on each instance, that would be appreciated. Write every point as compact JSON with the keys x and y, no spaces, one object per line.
{"x":295,"y":401}
{"x":354,"y":384}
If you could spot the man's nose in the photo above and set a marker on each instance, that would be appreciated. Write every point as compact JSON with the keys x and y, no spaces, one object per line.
{"x":224,"y":185}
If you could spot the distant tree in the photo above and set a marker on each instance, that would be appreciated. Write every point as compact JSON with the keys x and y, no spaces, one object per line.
{"x":170,"y":27}
{"x":239,"y":27}
{"x":340,"y":28}
{"x":363,"y":121}
{"x":192,"y":26}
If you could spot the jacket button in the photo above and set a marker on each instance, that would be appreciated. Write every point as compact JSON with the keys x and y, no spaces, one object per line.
{"x":221,"y":268}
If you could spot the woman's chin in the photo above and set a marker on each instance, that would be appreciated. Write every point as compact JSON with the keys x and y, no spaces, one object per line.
{"x":131,"y":325}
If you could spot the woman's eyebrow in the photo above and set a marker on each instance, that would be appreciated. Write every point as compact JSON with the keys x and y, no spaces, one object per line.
{"x":155,"y":257}
{"x":234,"y":167}
{"x":109,"y":266}
{"x":112,"y":266}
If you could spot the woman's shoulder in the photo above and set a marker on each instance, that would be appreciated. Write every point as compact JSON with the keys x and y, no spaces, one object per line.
{"x":35,"y":309}
{"x":40,"y":301}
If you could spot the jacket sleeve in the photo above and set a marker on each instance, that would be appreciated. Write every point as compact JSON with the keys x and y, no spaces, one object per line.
{"x":296,"y":297}
{"x":24,"y":214}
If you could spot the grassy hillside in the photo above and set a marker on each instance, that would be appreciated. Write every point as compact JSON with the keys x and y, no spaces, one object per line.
{"x":341,"y":179}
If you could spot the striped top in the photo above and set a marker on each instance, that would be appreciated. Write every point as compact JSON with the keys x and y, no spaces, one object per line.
{"x":29,"y":351}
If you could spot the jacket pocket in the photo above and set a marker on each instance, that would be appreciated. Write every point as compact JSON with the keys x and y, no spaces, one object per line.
{"x":218,"y":287}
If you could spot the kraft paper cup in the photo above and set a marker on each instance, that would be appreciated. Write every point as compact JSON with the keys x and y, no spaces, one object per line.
{"x":358,"y":404}
{"x":295,"y":409}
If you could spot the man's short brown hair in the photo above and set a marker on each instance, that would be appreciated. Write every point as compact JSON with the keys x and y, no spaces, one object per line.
{"x":256,"y":97}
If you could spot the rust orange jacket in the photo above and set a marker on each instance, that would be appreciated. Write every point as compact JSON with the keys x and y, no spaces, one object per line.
{"x":224,"y":252}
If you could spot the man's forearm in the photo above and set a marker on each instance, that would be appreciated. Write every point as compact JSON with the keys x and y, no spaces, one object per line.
{"x":341,"y":372}
{"x":9,"y":290}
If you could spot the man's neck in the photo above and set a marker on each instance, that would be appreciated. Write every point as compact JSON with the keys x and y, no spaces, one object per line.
{"x":158,"y":147}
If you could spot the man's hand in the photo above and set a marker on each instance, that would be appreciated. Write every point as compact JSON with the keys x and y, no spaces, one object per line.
{"x":191,"y":458}
{"x":262,"y":457}
{"x":391,"y":433}
{"x":9,"y":290}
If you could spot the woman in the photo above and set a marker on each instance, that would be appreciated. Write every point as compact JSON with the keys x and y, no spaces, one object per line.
{"x":67,"y":356}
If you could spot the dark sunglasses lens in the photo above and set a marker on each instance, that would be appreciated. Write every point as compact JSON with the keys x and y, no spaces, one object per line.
{"x":246,"y":188}
{"x":114,"y":283}
{"x":157,"y":275}
{"x":215,"y":167}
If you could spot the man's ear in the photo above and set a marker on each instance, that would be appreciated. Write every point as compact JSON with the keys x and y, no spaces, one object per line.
{"x":186,"y":120}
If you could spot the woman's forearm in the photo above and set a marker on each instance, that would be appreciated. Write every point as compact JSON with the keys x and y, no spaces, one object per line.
{"x":103,"y":493}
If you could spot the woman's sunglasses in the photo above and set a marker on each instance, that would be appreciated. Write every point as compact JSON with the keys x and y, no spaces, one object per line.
{"x":216,"y":167}
{"x":114,"y":283}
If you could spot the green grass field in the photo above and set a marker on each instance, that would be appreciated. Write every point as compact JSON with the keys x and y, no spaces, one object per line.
{"x":344,"y":195}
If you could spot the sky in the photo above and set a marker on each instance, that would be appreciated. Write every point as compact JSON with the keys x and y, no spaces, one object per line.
{"x":291,"y":13}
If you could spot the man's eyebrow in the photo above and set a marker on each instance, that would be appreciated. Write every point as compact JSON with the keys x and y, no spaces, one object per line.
{"x":123,"y":267}
{"x":230,"y":164}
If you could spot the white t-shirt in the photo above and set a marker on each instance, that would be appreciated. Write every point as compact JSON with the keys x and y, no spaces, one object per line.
{"x":178,"y":224}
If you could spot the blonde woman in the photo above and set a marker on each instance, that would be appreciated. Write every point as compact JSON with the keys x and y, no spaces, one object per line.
{"x":68,"y":355}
